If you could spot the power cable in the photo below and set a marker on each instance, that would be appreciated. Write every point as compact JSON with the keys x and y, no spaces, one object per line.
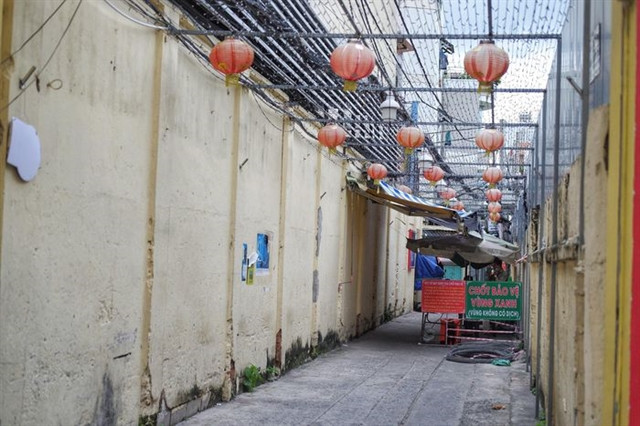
{"x":55,"y":49}
{"x":28,"y":39}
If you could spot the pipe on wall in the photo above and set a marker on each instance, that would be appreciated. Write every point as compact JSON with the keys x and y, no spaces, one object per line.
{"x":586,"y":81}
{"x":541,"y":220}
{"x":554,"y":235}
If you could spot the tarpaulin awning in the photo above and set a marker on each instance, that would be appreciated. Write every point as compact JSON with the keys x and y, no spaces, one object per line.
{"x":473,"y":248}
{"x":405,"y":203}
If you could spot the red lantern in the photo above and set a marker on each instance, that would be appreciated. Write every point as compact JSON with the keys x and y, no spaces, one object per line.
{"x":433,"y":174}
{"x":495,"y":217}
{"x":231,"y":57}
{"x":448,"y":193}
{"x":492,"y":176}
{"x":377,"y":172}
{"x":493,"y":194}
{"x":490,"y":140}
{"x":332,"y":136}
{"x":405,"y":188}
{"x":494,"y":207}
{"x":352,"y":61}
{"x":410,"y":138}
{"x":486,"y":63}
{"x":458,"y":205}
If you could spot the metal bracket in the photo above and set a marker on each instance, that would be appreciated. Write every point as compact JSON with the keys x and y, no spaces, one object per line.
{"x":575,"y":86}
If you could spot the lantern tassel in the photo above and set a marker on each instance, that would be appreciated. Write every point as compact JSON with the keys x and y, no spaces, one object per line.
{"x":232,"y":80}
{"x":350,"y":86}
{"x":485,"y":87}
{"x":408,"y":151}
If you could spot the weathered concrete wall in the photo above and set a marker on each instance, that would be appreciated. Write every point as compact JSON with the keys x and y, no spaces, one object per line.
{"x":74,"y":239}
{"x":579,"y":335}
{"x":120,"y":273}
{"x":594,"y":263}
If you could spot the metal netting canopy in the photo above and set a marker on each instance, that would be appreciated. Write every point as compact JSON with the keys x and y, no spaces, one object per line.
{"x":419,"y":47}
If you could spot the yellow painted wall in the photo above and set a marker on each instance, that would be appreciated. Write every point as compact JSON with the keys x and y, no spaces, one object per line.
{"x":120,"y":268}
{"x":619,"y":222}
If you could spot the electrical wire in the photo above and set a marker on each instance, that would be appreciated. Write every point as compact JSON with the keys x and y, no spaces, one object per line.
{"x":137,"y":21}
{"x":301,"y":61}
{"x":28,"y":39}
{"x":53,"y":52}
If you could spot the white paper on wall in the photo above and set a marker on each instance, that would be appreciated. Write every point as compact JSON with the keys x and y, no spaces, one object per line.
{"x":24,"y":149}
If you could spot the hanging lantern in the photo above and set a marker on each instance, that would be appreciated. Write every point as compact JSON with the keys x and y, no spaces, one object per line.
{"x":231,"y":57}
{"x":492,"y":176}
{"x":493,"y":195}
{"x":458,"y":205}
{"x":490,"y":140}
{"x":495,"y":217}
{"x":332,"y":136}
{"x":405,"y":188}
{"x":447,"y":194}
{"x":377,"y":172}
{"x":486,"y":63}
{"x":410,"y":138}
{"x":433,"y":174}
{"x":494,"y":207}
{"x":352,"y":61}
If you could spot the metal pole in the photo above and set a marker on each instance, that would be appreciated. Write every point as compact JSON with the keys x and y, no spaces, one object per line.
{"x":389,"y":36}
{"x":490,"y":19}
{"x":554,"y":235}
{"x":586,"y":66}
{"x":399,"y":123}
{"x":541,"y":219}
{"x":397,"y":88}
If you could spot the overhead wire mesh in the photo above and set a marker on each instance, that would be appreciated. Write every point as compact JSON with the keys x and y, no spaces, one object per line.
{"x":419,"y":48}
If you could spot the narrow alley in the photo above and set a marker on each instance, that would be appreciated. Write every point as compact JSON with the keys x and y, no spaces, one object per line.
{"x":267,"y":212}
{"x":384,"y":378}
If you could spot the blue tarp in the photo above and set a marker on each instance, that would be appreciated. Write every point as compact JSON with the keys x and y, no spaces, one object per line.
{"x":426,"y":267}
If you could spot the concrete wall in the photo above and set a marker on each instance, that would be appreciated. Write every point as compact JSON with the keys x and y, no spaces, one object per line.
{"x":579,"y":344}
{"x":121,"y":293}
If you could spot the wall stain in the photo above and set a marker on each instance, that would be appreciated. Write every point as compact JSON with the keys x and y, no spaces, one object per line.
{"x":328,"y":342}
{"x":146,"y":398}
{"x":105,"y":413}
{"x":319,"y":231}
{"x":296,"y":355}
{"x":316,"y":286}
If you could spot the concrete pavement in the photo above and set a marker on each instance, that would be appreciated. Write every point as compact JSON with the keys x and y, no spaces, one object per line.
{"x":385,"y":378}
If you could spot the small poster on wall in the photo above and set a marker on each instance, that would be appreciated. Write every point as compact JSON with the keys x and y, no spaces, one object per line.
{"x":262,"y":265}
{"x":245,"y":262}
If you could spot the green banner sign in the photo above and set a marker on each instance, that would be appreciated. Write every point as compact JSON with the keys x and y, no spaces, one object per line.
{"x":493,"y":300}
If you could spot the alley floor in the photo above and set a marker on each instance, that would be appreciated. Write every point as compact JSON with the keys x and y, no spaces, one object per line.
{"x":385,"y":378}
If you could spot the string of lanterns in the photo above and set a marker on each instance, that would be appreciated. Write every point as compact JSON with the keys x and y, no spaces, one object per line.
{"x":490,"y":140}
{"x":486,"y":63}
{"x":332,"y":136}
{"x":433,"y":174}
{"x":447,"y":193}
{"x":410,"y":138}
{"x":353,"y":61}
{"x":231,"y":57}
{"x":377,"y":172}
